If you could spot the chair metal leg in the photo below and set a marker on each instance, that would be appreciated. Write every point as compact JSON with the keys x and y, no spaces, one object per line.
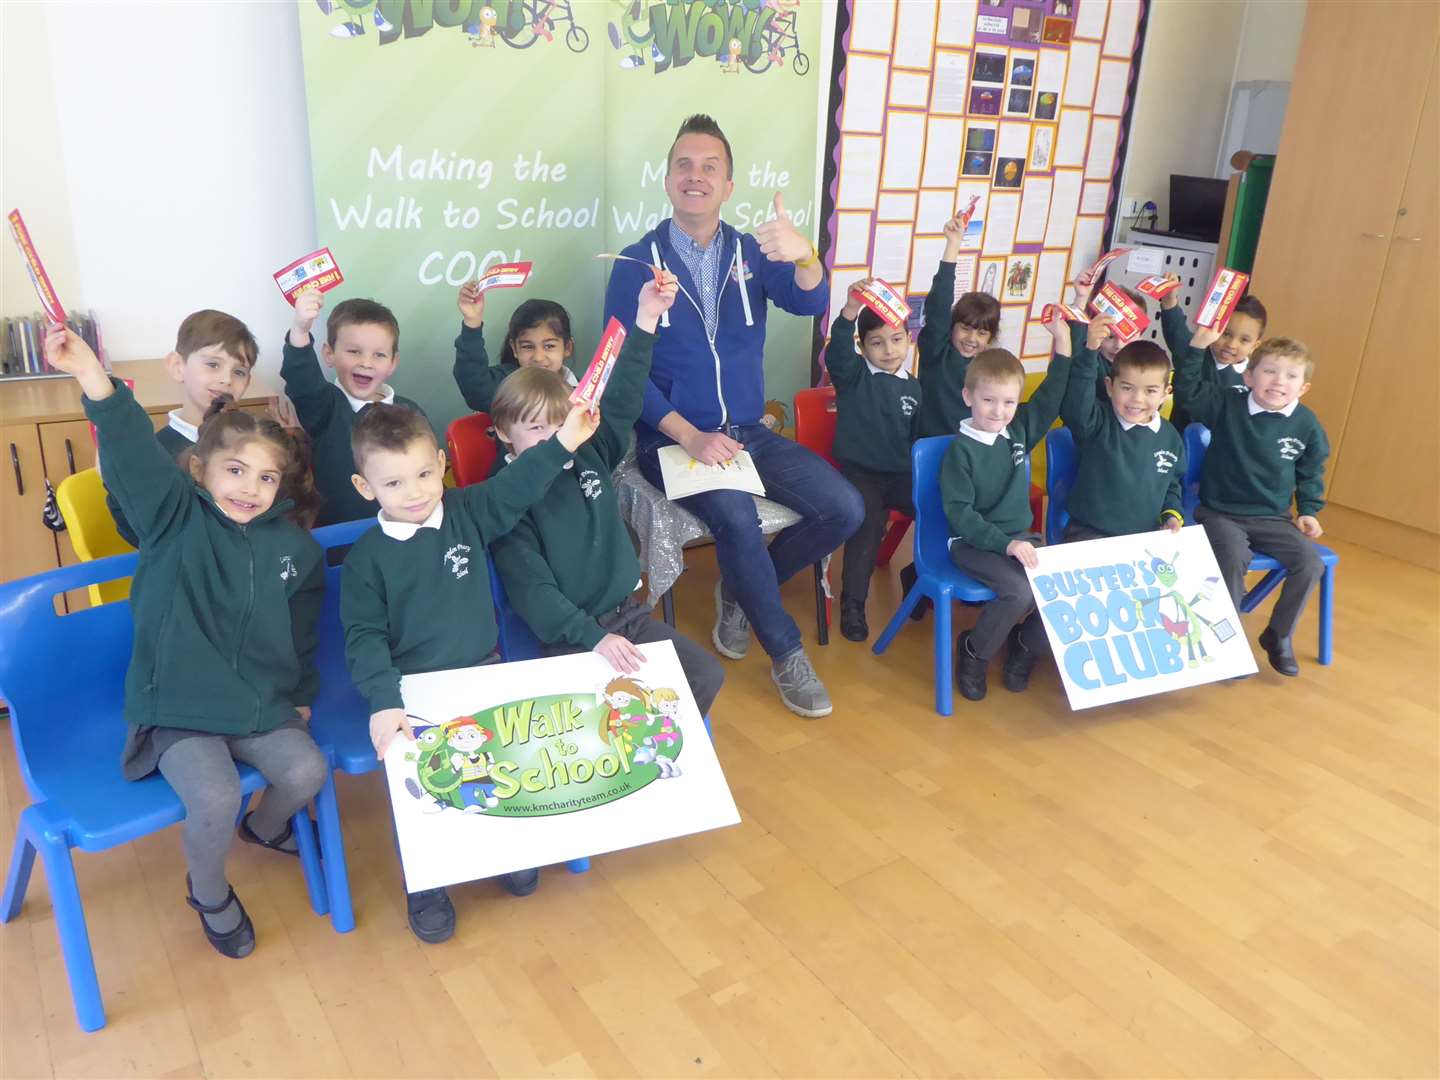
{"x":667,"y":607}
{"x":579,"y":866}
{"x":822,"y":610}
{"x":70,"y":926}
{"x":1327,"y":615}
{"x":310,"y":864}
{"x":332,"y":857}
{"x":17,"y":878}
{"x":944,"y":677}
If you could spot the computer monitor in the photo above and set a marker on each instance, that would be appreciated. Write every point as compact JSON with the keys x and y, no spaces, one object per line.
{"x":1197,"y":206}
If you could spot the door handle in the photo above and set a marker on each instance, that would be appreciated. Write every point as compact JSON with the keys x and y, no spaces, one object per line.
{"x":1410,"y":239}
{"x":70,"y":456}
{"x":1373,"y":235}
{"x":15,"y":464}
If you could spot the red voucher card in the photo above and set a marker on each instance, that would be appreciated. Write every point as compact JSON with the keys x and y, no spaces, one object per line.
{"x":1104,"y":261}
{"x":1067,"y":312}
{"x":1130,"y":322}
{"x":1220,"y":299}
{"x":886,"y":301}
{"x":48,"y":300}
{"x":591,"y":387}
{"x":505,"y":276}
{"x":968,"y":213}
{"x":1157,"y":288}
{"x":318,"y":270}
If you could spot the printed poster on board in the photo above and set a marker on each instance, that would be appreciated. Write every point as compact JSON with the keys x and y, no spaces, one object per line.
{"x":1130,"y":616}
{"x":542,"y":761}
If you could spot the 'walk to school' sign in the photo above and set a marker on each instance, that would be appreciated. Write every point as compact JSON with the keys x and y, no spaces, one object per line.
{"x":542,"y":761}
{"x":1131,"y":616}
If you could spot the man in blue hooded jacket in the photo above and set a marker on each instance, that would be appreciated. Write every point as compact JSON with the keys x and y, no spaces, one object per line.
{"x":707,"y":393}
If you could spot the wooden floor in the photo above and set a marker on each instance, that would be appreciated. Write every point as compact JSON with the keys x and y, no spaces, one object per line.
{"x":1232,"y":881}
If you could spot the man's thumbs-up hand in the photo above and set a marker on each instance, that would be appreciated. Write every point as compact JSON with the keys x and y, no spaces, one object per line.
{"x":779,"y":239}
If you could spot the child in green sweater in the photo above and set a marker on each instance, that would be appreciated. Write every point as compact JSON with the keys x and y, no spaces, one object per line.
{"x":213,"y":356}
{"x":414,"y":593}
{"x":362,"y":344}
{"x":1230,"y":353}
{"x":538,"y":336}
{"x":225,"y":601}
{"x":569,"y":566}
{"x":877,"y":407}
{"x":985,"y":489}
{"x":1266,"y":449}
{"x":953,"y":334}
{"x":1132,"y":463}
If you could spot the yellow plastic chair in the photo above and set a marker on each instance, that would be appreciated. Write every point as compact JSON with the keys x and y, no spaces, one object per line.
{"x":92,"y":529}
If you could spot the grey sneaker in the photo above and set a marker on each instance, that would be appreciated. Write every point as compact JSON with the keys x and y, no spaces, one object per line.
{"x":731,"y":635}
{"x":800,"y":688}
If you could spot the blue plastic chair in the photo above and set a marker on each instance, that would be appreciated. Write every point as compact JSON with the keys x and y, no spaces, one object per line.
{"x":64,"y":680}
{"x":938,"y":578}
{"x":1197,"y":442}
{"x":1062,"y":465}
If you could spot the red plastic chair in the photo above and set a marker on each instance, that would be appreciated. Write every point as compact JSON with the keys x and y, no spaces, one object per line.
{"x":473,"y":448}
{"x":815,"y":430}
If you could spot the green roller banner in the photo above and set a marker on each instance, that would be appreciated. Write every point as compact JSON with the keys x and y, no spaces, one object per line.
{"x":451,"y":135}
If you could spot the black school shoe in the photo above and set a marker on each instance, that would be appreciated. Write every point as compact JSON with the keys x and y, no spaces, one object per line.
{"x":235,"y":944}
{"x":1019,"y":663}
{"x":908,"y":577}
{"x":277,"y":844}
{"x":432,"y":916}
{"x":521,"y":882}
{"x":852,"y":619}
{"x":1280,"y":652}
{"x":969,"y":670}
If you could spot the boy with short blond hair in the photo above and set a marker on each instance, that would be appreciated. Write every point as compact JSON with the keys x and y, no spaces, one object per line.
{"x":213,"y":357}
{"x":1266,"y":451}
{"x":953,"y":334}
{"x":1132,"y":462}
{"x":985,"y":489}
{"x":569,"y":565}
{"x":362,"y":345}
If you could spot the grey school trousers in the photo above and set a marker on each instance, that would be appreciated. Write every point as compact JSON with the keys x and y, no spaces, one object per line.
{"x":1234,"y":539}
{"x":1013,"y":599}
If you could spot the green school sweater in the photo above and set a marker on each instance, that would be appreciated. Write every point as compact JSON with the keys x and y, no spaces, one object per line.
{"x":224,"y":614}
{"x":1127,"y":478}
{"x":1257,"y":462}
{"x":985,"y":486}
{"x":1177,"y":338}
{"x":173,"y":443}
{"x":476,"y":377}
{"x":327,"y":417}
{"x":571,"y":558}
{"x":877,"y":415}
{"x":424,"y":603}
{"x":1172,"y":327}
{"x":942,"y":368}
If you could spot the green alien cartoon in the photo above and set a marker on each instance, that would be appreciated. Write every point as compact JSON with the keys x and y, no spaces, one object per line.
{"x":1188,"y":625}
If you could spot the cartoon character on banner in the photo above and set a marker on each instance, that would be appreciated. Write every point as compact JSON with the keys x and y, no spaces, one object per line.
{"x":1188,"y":625}
{"x":665,"y":705}
{"x":731,"y":66}
{"x":482,"y":33}
{"x":631,"y":30}
{"x":434,"y":776}
{"x":466,"y":737}
{"x":626,"y":700}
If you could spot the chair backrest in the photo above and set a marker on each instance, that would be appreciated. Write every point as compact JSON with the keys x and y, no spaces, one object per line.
{"x":473,"y":448}
{"x":517,"y":640}
{"x":1062,"y":463}
{"x":92,"y":531}
{"x":932,"y":528}
{"x":1197,"y":442}
{"x":63,"y":676}
{"x":815,"y":420}
{"x":337,"y":692}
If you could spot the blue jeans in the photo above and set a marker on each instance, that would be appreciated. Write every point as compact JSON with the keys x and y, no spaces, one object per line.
{"x":830,"y":508}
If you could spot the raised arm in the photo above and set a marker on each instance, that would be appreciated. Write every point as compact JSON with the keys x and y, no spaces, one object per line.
{"x":474,"y":376}
{"x":498,"y":504}
{"x":305,"y":382}
{"x":1038,"y":414}
{"x":845,"y":365}
{"x":624,"y":395}
{"x":1079,"y":409}
{"x":1201,"y":398}
{"x":791,"y":271}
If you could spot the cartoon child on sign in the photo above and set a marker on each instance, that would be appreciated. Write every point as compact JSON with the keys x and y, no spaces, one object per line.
{"x":1188,"y":625}
{"x":477,"y":788}
{"x":627,"y":699}
{"x":660,"y":747}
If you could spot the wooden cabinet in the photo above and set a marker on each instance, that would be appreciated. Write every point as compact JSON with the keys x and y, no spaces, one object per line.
{"x":46,"y":437}
{"x":1347,"y":263}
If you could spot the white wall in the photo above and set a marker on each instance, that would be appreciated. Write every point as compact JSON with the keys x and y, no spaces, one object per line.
{"x":183,"y":167}
{"x":1270,"y":42}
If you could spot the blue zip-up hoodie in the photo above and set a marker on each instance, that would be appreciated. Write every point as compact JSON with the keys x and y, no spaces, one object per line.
{"x":709,"y":384}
